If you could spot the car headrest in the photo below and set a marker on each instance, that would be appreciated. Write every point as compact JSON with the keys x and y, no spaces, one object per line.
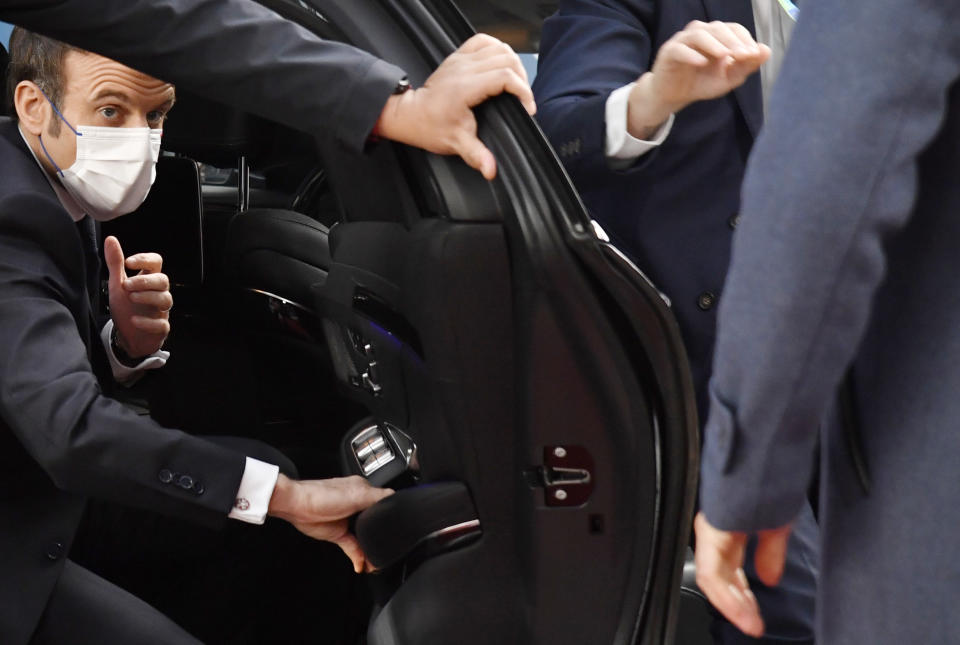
{"x":214,"y":133}
{"x":4,"y":99}
{"x":169,"y":222}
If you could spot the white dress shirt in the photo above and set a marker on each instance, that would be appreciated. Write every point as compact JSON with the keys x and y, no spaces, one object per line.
{"x":259,"y":478}
{"x":773,"y":28}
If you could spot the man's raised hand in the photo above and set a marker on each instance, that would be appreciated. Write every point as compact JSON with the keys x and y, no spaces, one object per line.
{"x":704,"y":61}
{"x":139,"y":305}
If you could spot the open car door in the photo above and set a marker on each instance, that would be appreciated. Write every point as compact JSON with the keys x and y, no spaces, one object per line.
{"x":528,"y":390}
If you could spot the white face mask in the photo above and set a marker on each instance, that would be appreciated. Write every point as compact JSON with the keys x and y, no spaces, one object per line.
{"x":114,"y":170}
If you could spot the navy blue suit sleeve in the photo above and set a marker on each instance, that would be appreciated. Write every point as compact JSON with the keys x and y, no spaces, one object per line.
{"x":833,"y":177}
{"x":51,"y":400}
{"x":589,"y":48}
{"x":233,"y":51}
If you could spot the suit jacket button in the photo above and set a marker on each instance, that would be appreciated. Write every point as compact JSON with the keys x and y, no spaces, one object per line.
{"x":706,"y":300}
{"x":734,"y":221}
{"x":165,"y":476}
{"x":185,"y":482}
{"x":55,"y":551}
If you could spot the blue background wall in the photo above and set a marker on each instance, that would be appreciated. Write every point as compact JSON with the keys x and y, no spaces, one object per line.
{"x":5,"y":30}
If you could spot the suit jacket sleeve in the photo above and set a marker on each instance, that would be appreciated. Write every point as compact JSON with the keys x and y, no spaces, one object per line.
{"x":589,"y":48}
{"x":233,"y":51}
{"x":863,"y":92}
{"x":51,"y":400}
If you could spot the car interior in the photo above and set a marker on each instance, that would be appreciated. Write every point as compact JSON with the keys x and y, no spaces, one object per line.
{"x":479,"y":347}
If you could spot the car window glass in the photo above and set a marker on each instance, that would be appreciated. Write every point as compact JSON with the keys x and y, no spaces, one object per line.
{"x":298,"y":185}
{"x":213,"y":176}
{"x":515,"y":22}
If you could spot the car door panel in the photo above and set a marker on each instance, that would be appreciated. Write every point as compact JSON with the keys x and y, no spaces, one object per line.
{"x":552,"y":382}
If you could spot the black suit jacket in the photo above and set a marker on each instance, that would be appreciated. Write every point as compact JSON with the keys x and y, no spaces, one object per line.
{"x":61,"y":439}
{"x":233,"y":51}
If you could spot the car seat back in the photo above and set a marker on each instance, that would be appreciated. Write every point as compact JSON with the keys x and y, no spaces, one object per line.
{"x":280,"y":252}
{"x":213,"y":133}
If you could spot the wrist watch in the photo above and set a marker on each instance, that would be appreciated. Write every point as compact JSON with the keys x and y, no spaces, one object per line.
{"x":403,"y":85}
{"x":122,"y":357}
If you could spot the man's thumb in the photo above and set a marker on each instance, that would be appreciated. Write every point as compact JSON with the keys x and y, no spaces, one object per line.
{"x":113,"y":255}
{"x":771,"y":555}
{"x":479,"y":157}
{"x":348,"y":543}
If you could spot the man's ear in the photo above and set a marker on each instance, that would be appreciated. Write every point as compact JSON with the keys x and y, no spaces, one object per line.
{"x":31,"y":107}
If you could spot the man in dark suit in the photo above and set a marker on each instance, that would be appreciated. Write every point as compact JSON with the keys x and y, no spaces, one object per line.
{"x":846,"y":264}
{"x":280,"y":70}
{"x":653,"y":107}
{"x":84,"y":145}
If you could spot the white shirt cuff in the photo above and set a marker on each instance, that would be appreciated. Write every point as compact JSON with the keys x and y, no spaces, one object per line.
{"x":256,"y":489}
{"x":621,"y":147}
{"x":129,"y":375}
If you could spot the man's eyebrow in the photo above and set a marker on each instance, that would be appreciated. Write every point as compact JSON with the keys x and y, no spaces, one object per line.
{"x":123,"y":98}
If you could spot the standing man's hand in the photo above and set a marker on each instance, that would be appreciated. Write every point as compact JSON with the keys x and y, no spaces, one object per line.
{"x":139,"y":305}
{"x":438,"y":116}
{"x":719,"y":561}
{"x":320,"y":509}
{"x":704,"y":61}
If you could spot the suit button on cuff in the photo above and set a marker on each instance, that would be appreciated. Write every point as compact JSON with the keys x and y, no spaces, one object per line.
{"x":55,"y":551}
{"x":198,"y":488}
{"x":706,"y":301}
{"x":734,"y":221}
{"x":185,"y":482}
{"x":165,"y":476}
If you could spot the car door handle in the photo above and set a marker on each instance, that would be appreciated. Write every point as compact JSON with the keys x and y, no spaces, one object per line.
{"x":416,"y":523}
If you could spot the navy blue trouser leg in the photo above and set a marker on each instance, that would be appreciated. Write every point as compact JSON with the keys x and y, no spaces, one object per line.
{"x":85,"y":608}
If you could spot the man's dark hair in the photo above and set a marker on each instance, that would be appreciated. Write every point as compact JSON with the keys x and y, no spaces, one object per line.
{"x":39,"y":59}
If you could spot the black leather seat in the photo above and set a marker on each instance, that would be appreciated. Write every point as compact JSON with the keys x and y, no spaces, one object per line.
{"x":272,"y":250}
{"x":281,"y":252}
{"x":214,"y":133}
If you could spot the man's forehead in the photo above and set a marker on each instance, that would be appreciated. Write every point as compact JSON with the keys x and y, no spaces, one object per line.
{"x":91,"y":74}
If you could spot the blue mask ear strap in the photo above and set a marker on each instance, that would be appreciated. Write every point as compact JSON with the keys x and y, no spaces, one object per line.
{"x":72,"y":129}
{"x":59,"y":172}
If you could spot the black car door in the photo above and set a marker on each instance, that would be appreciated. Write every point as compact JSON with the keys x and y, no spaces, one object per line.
{"x":527,"y":386}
